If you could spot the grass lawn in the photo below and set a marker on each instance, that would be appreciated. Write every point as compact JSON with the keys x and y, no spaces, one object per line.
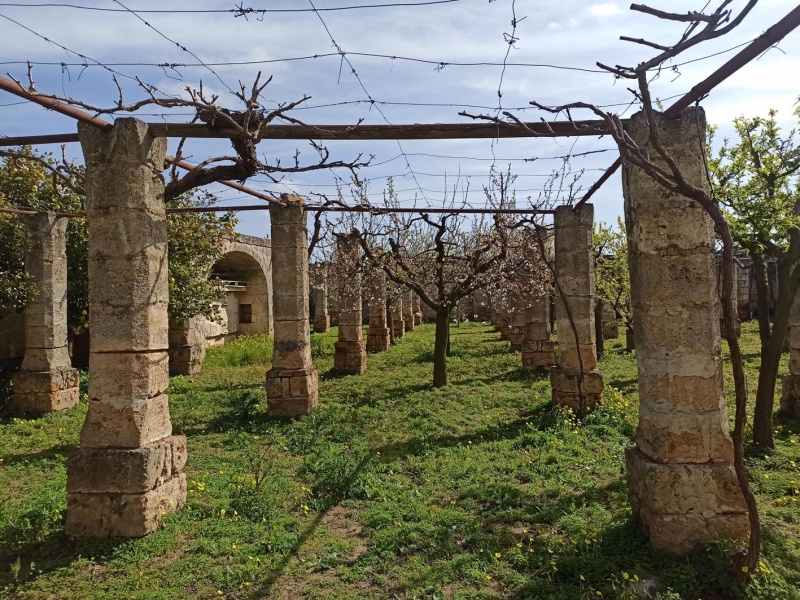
{"x":391,"y":489}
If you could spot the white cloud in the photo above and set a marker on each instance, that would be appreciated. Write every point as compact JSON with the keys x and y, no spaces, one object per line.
{"x":604,"y":10}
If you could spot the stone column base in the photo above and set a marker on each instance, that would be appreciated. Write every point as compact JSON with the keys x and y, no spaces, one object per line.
{"x":790,"y":394}
{"x":681,"y":505}
{"x":45,"y":391}
{"x":409,"y":323}
{"x":565,"y":388}
{"x":538,"y":354}
{"x":610,"y":330}
{"x":418,"y":318}
{"x":116,"y":492}
{"x":292,"y":392}
{"x":186,"y":360}
{"x":398,"y":329}
{"x":350,"y":357}
{"x":378,"y":339}
{"x":321,"y":324}
{"x":516,"y":335}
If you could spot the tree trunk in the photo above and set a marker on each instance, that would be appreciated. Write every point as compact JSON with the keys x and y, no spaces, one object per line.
{"x":771,"y":355}
{"x":762,"y":296}
{"x":630,"y":343}
{"x":440,"y":347}
{"x":598,"y":327}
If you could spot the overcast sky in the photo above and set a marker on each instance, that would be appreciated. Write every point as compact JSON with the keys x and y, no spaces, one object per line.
{"x":568,"y":33}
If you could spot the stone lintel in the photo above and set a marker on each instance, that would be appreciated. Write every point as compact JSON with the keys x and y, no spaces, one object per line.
{"x":679,"y":506}
{"x":292,"y":392}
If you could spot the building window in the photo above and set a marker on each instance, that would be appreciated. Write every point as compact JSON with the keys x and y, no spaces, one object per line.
{"x":245,"y":313}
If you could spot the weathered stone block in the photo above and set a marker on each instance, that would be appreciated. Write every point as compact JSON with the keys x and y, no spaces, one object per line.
{"x":292,"y":392}
{"x":322,"y":323}
{"x":675,"y":436}
{"x":127,"y":376}
{"x":123,"y":515}
{"x":538,"y":355}
{"x":610,"y":330}
{"x":568,"y":354}
{"x":125,"y":471}
{"x":681,"y":505}
{"x":350,"y":357}
{"x":378,"y":340}
{"x":790,"y":394}
{"x":565,"y":385}
{"x":126,"y":328}
{"x":121,"y":423}
{"x":289,"y":308}
{"x":45,"y":391}
{"x":45,"y":359}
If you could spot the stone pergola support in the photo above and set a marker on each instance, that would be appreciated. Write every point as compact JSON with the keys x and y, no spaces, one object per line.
{"x":46,"y":382}
{"x":292,"y":383}
{"x":518,"y":319}
{"x":408,"y":310}
{"x":398,"y":324}
{"x":187,"y":345}
{"x":790,"y":384}
{"x":350,"y":355}
{"x":417,"y":309}
{"x":681,"y":480}
{"x":322,"y":319}
{"x":537,"y":349}
{"x":128,"y":469}
{"x":575,"y":380}
{"x":378,"y":335}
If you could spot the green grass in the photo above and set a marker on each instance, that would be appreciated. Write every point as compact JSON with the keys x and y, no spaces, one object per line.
{"x":391,"y":489}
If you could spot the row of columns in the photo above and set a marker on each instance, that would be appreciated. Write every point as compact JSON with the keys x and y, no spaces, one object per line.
{"x":127,"y":470}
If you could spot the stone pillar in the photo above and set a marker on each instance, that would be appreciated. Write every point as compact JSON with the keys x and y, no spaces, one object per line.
{"x":518,"y":320}
{"x":610,"y":323}
{"x":537,"y":349}
{"x":417,"y":309}
{"x":398,"y":324}
{"x":293,"y":382}
{"x":322,"y":320}
{"x":350,"y":354}
{"x":408,"y":309}
{"x":46,"y":382}
{"x":575,"y":379}
{"x":127,"y":471}
{"x":790,"y":385}
{"x":378,"y":335}
{"x":681,"y":481}
{"x":187,"y":345}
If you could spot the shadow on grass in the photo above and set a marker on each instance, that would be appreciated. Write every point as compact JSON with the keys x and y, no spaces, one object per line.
{"x":32,"y":458}
{"x":24,"y":562}
{"x":266,"y":589}
{"x":542,"y":417}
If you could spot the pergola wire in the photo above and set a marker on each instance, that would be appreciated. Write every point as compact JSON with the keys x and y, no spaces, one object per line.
{"x":433,"y":131}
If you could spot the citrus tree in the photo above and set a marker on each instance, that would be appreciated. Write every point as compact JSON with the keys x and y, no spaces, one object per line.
{"x":756,"y":180}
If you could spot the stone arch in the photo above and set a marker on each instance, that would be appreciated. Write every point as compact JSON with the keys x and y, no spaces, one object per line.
{"x":247,"y":266}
